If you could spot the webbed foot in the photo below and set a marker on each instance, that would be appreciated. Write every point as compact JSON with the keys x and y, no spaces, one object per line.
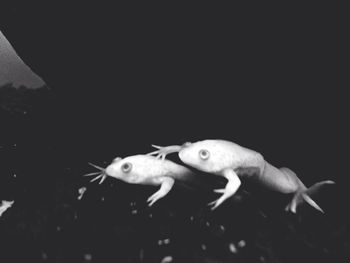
{"x":163,"y":151}
{"x":298,"y":199}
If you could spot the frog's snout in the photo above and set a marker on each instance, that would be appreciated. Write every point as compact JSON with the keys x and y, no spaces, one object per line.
{"x":109,"y":171}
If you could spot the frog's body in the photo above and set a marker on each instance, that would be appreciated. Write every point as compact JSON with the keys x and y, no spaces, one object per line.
{"x":233,"y":161}
{"x":147,"y":170}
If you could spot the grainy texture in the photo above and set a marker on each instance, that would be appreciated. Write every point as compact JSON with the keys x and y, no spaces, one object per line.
{"x":52,"y":221}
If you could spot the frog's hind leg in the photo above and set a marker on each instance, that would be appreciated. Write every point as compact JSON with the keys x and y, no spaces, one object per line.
{"x":305,"y":196}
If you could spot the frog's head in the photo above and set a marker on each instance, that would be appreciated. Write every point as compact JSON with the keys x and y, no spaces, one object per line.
{"x":208,"y":156}
{"x":129,"y":169}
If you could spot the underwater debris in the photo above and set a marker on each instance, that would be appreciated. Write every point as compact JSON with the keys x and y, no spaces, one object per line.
{"x":87,"y":257}
{"x":233,"y":248}
{"x":5,"y":205}
{"x":241,"y":244}
{"x":164,"y":241}
{"x":81,"y":192}
{"x":167,"y":259}
{"x":44,"y":256}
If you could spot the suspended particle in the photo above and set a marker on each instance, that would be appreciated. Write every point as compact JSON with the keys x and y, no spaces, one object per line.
{"x":167,"y":259}
{"x":204,"y":247}
{"x":241,"y":243}
{"x":44,"y":256}
{"x":164,"y":241}
{"x":88,"y":257}
{"x":233,"y":248}
{"x":81,"y":192}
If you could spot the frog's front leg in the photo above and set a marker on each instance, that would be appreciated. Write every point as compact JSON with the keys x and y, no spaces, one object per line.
{"x":163,"y":151}
{"x":230,"y":189}
{"x":166,"y":185}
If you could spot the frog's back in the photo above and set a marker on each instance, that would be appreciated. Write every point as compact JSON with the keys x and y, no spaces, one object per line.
{"x":241,"y":155}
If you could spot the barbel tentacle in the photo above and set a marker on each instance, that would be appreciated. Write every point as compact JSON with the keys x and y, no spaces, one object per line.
{"x":101,"y":174}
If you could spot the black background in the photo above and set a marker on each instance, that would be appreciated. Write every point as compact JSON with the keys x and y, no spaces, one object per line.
{"x":271,"y":78}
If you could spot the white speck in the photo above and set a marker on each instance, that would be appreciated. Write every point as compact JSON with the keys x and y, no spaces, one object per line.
{"x":241,"y":243}
{"x":164,"y":241}
{"x":81,"y":192}
{"x":15,"y":145}
{"x":150,"y":215}
{"x":233,"y":248}
{"x":167,"y":259}
{"x":191,"y":218}
{"x":262,"y":259}
{"x":142,"y":252}
{"x":134,"y":212}
{"x":88,"y":257}
{"x":222,"y":228}
{"x":204,"y":247}
{"x":24,"y":112}
{"x":5,"y":205}
{"x":75,"y":216}
{"x":103,"y":198}
{"x":58,"y":228}
{"x":207,"y":224}
{"x":44,"y":256}
{"x":15,"y":175}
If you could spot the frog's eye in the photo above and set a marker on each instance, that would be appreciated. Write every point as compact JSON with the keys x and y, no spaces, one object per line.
{"x":204,"y":154}
{"x":126,"y":167}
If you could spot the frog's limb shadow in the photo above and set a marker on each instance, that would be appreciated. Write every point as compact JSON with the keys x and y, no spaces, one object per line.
{"x":230,"y":189}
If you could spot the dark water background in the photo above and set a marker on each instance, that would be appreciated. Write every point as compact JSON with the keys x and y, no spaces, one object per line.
{"x":121,"y":79}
